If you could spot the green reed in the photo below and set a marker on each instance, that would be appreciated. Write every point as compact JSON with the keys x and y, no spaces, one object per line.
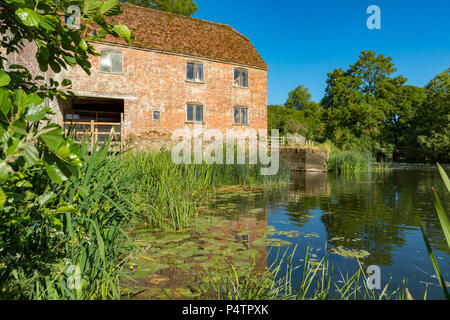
{"x":169,"y":195}
{"x":349,"y":162}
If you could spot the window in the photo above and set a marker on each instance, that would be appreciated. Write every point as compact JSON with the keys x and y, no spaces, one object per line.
{"x":241,"y":78}
{"x":156,"y":116}
{"x":241,"y":116}
{"x":194,"y":72}
{"x":194,"y":113}
{"x":111,"y":61}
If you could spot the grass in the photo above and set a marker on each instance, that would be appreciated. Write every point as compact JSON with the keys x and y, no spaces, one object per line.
{"x":445,"y":224}
{"x":87,"y":254}
{"x":276,"y":283}
{"x":349,"y":162}
{"x":169,"y":195}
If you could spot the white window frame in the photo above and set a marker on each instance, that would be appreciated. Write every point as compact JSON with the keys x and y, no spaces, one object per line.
{"x":240,"y":108}
{"x":194,"y":112}
{"x":110,"y":51}
{"x":195,"y":64}
{"x":241,"y":70}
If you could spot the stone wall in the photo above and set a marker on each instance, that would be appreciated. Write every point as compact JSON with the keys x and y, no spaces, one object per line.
{"x":305,"y":159}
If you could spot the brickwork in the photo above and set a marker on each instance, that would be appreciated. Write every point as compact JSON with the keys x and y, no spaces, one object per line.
{"x":153,"y":81}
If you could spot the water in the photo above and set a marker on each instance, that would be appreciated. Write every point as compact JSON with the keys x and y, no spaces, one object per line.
{"x":376,"y":213}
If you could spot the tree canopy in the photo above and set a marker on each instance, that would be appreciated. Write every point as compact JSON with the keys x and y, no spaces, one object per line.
{"x":366,"y":107}
{"x":184,"y":7}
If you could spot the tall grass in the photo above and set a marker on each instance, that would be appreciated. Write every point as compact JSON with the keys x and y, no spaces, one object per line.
{"x":349,"y":162}
{"x":169,"y":195}
{"x":445,"y":224}
{"x":277,"y":283}
{"x":93,"y":242}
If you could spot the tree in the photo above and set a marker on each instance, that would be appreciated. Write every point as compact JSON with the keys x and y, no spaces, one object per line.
{"x":359,"y":101}
{"x":430,"y":139}
{"x":184,"y":7}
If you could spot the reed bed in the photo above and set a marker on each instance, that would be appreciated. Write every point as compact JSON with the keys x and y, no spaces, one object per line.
{"x":349,"y":162}
{"x":169,"y":195}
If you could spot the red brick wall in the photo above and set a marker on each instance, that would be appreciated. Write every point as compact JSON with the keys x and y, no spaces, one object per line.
{"x":156,"y":81}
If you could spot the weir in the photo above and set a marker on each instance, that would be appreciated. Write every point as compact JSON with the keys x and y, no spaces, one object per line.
{"x":305,"y":158}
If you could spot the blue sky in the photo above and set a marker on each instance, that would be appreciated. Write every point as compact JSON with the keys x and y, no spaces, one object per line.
{"x":302,"y":40}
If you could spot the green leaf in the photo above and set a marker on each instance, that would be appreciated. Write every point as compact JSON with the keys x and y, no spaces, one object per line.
{"x":46,"y":198}
{"x":2,"y":197}
{"x":5,"y":170}
{"x":4,"y":78}
{"x":35,"y":113}
{"x":13,"y":144}
{"x":71,"y":61}
{"x":31,"y":154}
{"x":110,"y":8}
{"x":54,"y":171}
{"x":123,"y":31}
{"x":46,"y":23}
{"x":434,"y":262}
{"x":24,"y":184}
{"x":28,"y":17}
{"x":444,"y":177}
{"x":443,"y":218}
{"x":90,"y":7}
{"x":5,"y":101}
{"x":54,"y":138}
{"x":21,"y":100}
{"x":20,"y":126}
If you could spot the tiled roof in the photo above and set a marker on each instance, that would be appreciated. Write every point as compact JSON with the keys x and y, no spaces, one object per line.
{"x":168,"y":32}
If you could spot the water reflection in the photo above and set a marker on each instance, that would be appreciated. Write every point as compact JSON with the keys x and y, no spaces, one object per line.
{"x":377,"y":213}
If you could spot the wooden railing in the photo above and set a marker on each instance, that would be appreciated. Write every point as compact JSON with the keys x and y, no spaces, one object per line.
{"x":95,"y":132}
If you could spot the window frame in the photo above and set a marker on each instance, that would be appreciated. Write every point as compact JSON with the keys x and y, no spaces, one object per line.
{"x":195,"y":64}
{"x":194,"y":106}
{"x":159,"y":115}
{"x":241,"y":70}
{"x":240,"y":108}
{"x":110,"y":51}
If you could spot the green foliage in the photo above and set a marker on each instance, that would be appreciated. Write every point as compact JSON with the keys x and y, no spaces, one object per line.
{"x":184,"y":7}
{"x":366,"y":109}
{"x":169,"y":194}
{"x":445,"y":224}
{"x":349,"y":162}
{"x":316,"y":283}
{"x":429,"y":137}
{"x":59,"y":44}
{"x":59,"y":207}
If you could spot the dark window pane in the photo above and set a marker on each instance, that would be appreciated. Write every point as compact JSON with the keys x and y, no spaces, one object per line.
{"x":244,"y":117}
{"x":199,"y":72}
{"x":199,"y":114}
{"x":237,"y":75}
{"x":116,"y":58}
{"x":190,"y":71}
{"x":190,"y":113}
{"x":105,"y":61}
{"x":156,"y":116}
{"x":244,"y":79}
{"x":237,"y":116}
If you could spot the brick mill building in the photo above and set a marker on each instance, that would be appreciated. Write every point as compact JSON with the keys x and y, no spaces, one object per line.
{"x":179,"y":71}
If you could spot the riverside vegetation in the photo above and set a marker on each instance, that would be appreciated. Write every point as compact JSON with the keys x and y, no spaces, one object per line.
{"x":68,"y":215}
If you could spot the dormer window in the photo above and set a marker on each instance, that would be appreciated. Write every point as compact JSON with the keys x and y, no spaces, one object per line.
{"x":241,"y":78}
{"x":194,"y":72}
{"x":111,"y":62}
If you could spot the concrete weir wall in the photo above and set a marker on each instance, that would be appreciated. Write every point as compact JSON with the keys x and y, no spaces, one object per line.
{"x":305,"y":159}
